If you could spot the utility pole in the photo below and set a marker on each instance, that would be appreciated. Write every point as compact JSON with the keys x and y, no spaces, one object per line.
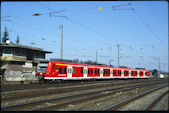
{"x":62,"y":44}
{"x":96,"y":56}
{"x":118,"y":54}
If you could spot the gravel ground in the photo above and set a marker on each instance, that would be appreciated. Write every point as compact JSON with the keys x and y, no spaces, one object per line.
{"x":4,"y":103}
{"x":102,"y":103}
{"x":15,"y":87}
{"x":162,"y":105}
{"x":141,"y":103}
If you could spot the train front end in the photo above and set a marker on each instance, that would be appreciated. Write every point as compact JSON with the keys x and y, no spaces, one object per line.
{"x":41,"y":69}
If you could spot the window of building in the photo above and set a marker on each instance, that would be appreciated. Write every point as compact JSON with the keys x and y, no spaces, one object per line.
{"x":60,"y":70}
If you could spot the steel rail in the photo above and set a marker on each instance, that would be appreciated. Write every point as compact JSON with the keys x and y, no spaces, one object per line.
{"x":126,"y":101}
{"x":38,"y":92}
{"x":79,"y":94}
{"x":150,"y":106}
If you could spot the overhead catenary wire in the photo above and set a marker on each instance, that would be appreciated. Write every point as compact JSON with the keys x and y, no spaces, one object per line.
{"x":84,"y":26}
{"x":148,"y":27}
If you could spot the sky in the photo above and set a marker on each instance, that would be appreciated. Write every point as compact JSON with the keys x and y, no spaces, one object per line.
{"x":139,"y":27}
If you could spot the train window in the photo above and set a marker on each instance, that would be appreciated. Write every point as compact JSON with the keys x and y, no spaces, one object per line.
{"x":74,"y":71}
{"x":109,"y":72}
{"x":120,"y":72}
{"x":60,"y":70}
{"x":53,"y":66}
{"x":85,"y":71}
{"x":98,"y":72}
{"x":95,"y":71}
{"x":64,"y":71}
{"x":88,"y":71}
{"x":106,"y":72}
{"x":68,"y":70}
{"x":91,"y":71}
{"x":81,"y":71}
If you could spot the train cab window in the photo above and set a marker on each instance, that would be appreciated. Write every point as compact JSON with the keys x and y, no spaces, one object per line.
{"x":98,"y":72}
{"x":81,"y":71}
{"x":60,"y":70}
{"x":64,"y":71}
{"x":74,"y":71}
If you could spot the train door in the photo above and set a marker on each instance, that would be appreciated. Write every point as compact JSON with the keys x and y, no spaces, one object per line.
{"x":129,"y":73}
{"x":111,"y":73}
{"x":143,"y":73}
{"x":122,"y":73}
{"x":85,"y":72}
{"x":101,"y":72}
{"x":69,"y":70}
{"x":138,"y":73}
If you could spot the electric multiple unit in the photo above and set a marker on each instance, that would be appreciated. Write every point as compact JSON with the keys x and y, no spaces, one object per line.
{"x":57,"y":70}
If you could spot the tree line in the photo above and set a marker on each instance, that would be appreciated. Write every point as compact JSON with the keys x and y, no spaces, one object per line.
{"x":5,"y":37}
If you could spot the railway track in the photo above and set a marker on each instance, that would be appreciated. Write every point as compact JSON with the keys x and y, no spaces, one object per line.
{"x":138,"y":96}
{"x":155,"y":101}
{"x":9,"y":96}
{"x":48,"y":104}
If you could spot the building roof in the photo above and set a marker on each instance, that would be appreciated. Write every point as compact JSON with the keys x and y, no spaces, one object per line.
{"x":12,"y":45}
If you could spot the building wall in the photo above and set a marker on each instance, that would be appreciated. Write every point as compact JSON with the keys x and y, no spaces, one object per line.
{"x":15,"y":72}
{"x":17,"y":54}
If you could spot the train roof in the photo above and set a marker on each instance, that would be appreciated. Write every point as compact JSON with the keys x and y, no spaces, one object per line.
{"x":72,"y":63}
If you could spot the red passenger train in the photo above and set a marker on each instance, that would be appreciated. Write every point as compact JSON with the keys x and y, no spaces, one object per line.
{"x":57,"y":70}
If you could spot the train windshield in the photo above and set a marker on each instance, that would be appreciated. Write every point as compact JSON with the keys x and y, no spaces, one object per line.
{"x":42,"y":65}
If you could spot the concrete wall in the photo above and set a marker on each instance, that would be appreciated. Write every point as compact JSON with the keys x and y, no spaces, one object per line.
{"x":19,"y":73}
